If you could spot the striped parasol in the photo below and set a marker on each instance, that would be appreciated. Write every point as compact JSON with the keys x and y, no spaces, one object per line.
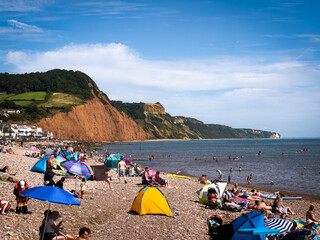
{"x":278,"y":223}
{"x":76,"y":167}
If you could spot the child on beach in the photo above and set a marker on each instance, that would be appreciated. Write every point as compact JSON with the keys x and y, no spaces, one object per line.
{"x":108,"y":179}
{"x":83,"y":188}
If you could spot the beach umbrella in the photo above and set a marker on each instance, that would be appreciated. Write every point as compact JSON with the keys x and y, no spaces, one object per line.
{"x":76,"y":167}
{"x":52,"y":195}
{"x":278,"y":223}
{"x":59,"y":160}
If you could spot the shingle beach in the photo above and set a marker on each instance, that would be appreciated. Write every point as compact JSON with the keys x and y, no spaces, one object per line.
{"x":106,"y":212}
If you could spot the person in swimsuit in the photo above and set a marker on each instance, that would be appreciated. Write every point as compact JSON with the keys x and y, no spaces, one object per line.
{"x":220,"y":174}
{"x":108,"y":179}
{"x":202,"y":179}
{"x":310,"y":215}
{"x":121,"y":169}
{"x":249,"y":179}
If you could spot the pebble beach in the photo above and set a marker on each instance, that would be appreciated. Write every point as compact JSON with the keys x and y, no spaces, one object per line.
{"x":106,"y":212}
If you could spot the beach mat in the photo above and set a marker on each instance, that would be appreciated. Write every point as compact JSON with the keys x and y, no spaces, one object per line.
{"x":99,"y":172}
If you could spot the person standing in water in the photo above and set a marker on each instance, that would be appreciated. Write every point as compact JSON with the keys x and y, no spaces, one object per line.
{"x":249,"y":179}
{"x":220,"y":174}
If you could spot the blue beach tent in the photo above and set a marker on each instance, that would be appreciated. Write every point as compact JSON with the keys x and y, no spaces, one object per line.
{"x":112,"y":161}
{"x":251,"y":227}
{"x":74,"y":156}
{"x":40,"y":166}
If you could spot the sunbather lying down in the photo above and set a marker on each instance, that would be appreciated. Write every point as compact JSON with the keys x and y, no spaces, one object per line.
{"x":9,"y":179}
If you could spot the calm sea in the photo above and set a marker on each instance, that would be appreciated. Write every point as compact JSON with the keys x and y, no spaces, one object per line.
{"x":296,"y":170}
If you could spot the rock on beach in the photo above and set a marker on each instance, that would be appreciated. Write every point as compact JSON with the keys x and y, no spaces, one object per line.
{"x":106,"y":212}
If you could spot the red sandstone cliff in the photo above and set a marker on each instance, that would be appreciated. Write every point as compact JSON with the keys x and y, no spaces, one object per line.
{"x":93,"y":121}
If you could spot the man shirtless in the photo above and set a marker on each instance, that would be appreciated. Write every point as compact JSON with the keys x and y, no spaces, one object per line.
{"x":261,"y":205}
{"x":121,"y":168}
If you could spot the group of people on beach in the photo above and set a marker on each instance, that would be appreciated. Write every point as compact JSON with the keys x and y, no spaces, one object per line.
{"x":49,"y":229}
{"x":254,"y":202}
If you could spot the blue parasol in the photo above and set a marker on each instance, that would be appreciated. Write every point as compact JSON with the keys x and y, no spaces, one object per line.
{"x":51,"y":194}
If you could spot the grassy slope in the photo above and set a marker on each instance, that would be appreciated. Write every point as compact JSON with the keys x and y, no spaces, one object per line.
{"x":61,"y":100}
{"x":31,"y":96}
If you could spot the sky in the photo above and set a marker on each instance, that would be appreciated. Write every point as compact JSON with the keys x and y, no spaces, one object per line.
{"x":241,"y":63}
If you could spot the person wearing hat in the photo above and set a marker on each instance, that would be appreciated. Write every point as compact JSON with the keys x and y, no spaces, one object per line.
{"x":52,"y":230}
{"x":21,"y":200}
{"x":309,"y":225}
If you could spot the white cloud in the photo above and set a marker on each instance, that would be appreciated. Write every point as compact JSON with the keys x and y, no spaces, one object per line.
{"x":24,"y":27}
{"x":311,"y":37}
{"x":21,"y":5}
{"x":242,"y":92}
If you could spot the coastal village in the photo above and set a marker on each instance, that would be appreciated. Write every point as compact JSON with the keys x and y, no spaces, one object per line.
{"x":17,"y":131}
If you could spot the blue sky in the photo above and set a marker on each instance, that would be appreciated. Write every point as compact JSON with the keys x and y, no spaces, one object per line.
{"x":245,"y":64}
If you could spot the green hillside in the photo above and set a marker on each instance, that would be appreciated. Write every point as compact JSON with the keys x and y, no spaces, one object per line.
{"x":38,"y":95}
{"x":167,"y":127}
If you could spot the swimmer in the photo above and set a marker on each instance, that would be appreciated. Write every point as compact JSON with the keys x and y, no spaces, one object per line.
{"x":240,"y":169}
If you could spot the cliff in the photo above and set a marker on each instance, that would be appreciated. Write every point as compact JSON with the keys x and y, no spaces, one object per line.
{"x":70,"y":105}
{"x":153,"y":109}
{"x":93,"y":121}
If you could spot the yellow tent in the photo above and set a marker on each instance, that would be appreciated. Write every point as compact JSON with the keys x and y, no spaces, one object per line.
{"x":151,"y":200}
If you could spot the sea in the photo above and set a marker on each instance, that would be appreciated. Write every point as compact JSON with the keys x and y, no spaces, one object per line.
{"x":280,"y":164}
